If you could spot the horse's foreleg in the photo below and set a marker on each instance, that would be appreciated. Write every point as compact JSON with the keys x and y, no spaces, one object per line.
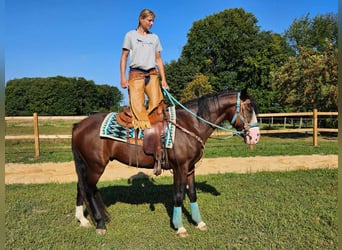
{"x":79,"y":210}
{"x":194,"y":210}
{"x":179,"y":192}
{"x":178,"y":222}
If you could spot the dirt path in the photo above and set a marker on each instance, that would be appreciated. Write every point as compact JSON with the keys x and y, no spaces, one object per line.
{"x":65,"y":172}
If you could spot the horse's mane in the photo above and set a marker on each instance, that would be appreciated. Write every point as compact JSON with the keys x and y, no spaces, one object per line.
{"x":202,"y":102}
{"x":208,"y":96}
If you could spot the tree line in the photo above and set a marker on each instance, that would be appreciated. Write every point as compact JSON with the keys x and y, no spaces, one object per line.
{"x":294,"y":71}
{"x":59,"y":96}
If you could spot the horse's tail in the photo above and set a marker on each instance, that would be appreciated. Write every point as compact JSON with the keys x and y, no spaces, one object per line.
{"x":88,"y":193}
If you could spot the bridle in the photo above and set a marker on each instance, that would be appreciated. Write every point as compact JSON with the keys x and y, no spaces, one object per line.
{"x":241,"y":113}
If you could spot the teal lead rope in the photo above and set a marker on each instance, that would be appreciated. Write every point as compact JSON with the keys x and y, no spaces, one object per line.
{"x":175,"y":102}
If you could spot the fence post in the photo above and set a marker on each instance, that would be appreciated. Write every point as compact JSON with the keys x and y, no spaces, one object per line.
{"x":315,"y":128}
{"x":36,"y":134}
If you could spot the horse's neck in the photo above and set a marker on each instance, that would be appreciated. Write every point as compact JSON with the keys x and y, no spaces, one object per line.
{"x":215,"y":115}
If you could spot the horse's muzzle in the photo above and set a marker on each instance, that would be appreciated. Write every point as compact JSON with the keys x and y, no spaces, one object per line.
{"x":252,"y":135}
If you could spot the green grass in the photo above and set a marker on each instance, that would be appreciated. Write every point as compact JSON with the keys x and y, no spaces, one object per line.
{"x":269,"y":145}
{"x":52,"y":150}
{"x":266,"y":210}
{"x":59,"y":150}
{"x":46,"y":127}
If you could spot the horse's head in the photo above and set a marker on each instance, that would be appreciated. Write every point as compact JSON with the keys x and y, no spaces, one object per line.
{"x":245,"y":119}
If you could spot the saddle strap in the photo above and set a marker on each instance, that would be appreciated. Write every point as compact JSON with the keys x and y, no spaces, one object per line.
{"x":133,"y":142}
{"x":199,"y":139}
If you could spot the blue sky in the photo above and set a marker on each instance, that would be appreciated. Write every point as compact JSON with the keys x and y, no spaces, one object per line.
{"x":83,"y":38}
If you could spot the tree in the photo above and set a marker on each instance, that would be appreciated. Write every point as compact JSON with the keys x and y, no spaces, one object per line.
{"x":230,"y":50}
{"x":86,"y":95}
{"x":109,"y":98}
{"x":308,"y":80}
{"x":220,"y":43}
{"x":16,"y":98}
{"x":179,"y":74}
{"x":198,"y":87}
{"x":59,"y":96}
{"x":316,"y":33}
{"x":271,"y":52}
{"x":46,"y":96}
{"x":51,"y":95}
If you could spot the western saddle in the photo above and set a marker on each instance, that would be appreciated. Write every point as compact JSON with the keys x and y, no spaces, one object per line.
{"x":153,"y":141}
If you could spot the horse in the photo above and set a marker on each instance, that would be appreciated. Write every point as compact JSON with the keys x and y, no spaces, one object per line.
{"x":195,"y":122}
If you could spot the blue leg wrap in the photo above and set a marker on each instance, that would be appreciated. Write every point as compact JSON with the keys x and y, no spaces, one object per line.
{"x":195,"y":213}
{"x":177,"y":217}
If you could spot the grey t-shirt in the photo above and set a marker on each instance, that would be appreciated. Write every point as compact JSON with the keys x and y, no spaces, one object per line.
{"x":142,"y":48}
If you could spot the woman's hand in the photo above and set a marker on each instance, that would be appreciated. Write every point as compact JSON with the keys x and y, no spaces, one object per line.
{"x":165,"y":85}
{"x":124,"y":82}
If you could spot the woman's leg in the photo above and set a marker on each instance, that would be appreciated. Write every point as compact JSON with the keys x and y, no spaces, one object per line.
{"x":136,"y":89}
{"x":154,"y":93}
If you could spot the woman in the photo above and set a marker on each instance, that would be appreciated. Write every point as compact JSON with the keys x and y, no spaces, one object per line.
{"x":145,"y":59}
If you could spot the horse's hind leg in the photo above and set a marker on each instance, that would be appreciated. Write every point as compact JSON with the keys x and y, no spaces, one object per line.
{"x":99,"y":211}
{"x":79,"y":210}
{"x":194,"y":210}
{"x":95,"y":208}
{"x":88,"y":193}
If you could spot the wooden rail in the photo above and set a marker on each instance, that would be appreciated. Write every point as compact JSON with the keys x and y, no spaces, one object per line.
{"x":315,"y":130}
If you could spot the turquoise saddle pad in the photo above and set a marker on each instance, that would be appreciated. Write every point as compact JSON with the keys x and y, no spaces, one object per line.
{"x":111,"y":129}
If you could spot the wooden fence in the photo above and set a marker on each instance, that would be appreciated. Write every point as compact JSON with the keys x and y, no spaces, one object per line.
{"x":315,"y":130}
{"x":313,"y":116}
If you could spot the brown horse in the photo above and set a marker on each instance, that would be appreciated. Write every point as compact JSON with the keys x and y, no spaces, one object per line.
{"x":92,"y":153}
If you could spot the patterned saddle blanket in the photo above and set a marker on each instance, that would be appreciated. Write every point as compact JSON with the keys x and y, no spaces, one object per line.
{"x":112,"y":129}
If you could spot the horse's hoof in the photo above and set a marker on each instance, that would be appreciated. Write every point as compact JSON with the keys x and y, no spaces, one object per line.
{"x":181,"y":232}
{"x":85,"y":224}
{"x":202,"y":226}
{"x":100,"y":231}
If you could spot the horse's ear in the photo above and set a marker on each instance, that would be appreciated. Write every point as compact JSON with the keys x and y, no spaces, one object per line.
{"x":244,"y":93}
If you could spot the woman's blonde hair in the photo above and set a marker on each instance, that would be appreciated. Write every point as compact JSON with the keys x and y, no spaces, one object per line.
{"x":145,"y":13}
